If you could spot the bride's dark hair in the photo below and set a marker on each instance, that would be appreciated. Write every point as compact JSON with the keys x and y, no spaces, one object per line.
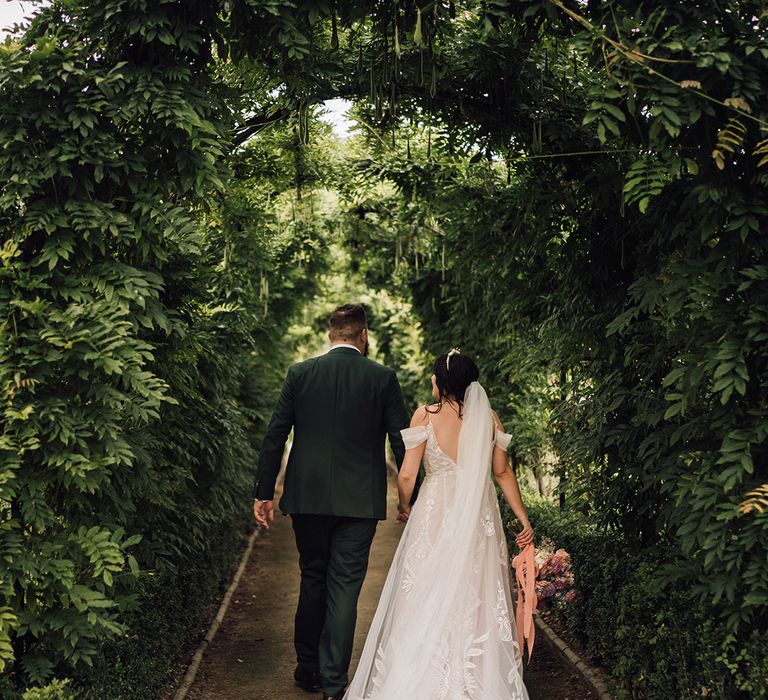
{"x":453,"y":378}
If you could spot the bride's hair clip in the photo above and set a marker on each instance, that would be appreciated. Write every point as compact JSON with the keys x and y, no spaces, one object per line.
{"x":454,"y":351}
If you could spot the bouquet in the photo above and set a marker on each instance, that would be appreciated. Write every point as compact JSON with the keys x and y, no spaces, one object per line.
{"x":554,"y":580}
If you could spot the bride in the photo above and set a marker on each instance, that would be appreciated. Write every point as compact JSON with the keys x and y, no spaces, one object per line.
{"x":444,"y":626}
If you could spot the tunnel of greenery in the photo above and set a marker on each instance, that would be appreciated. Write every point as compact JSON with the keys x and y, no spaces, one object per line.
{"x":572,"y":192}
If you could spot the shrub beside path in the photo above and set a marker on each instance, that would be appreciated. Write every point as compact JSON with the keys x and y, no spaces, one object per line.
{"x":252,"y":656}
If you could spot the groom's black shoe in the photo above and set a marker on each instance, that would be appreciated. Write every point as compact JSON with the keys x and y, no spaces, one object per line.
{"x":338,"y":696}
{"x":311,"y":681}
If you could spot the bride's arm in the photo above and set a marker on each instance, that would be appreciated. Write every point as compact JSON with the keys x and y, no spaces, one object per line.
{"x":409,"y":471}
{"x":507,"y":481}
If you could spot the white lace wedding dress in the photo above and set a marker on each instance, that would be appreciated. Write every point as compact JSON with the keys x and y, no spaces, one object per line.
{"x":444,"y":627}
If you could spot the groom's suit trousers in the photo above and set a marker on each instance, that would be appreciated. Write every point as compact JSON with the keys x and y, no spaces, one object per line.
{"x":333,"y":558}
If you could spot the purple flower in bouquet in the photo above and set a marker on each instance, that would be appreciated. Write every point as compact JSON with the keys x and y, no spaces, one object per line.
{"x":570,"y":596}
{"x":545,"y":590}
{"x":555,"y":565}
{"x":554,"y":579}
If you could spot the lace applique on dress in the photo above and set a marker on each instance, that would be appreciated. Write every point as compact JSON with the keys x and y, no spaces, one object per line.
{"x":502,"y":614}
{"x":456,"y":658}
{"x":437,"y":464}
{"x":419,"y":549}
{"x":435,"y":460}
{"x":486,"y":522}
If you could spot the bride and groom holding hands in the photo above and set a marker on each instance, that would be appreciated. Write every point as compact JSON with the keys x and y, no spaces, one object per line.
{"x":444,"y":626}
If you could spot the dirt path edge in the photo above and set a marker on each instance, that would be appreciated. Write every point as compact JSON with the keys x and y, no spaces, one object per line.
{"x":574,"y":660}
{"x":189,"y":676}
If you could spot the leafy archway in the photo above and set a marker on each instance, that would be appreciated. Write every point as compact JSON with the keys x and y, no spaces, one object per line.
{"x":578,"y":191}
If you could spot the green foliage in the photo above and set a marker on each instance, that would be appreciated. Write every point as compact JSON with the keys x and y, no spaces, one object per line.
{"x":656,"y":639}
{"x":55,"y":690}
{"x":167,"y":624}
{"x":574,"y":194}
{"x":140,"y":317}
{"x":616,"y":300}
{"x":88,"y":223}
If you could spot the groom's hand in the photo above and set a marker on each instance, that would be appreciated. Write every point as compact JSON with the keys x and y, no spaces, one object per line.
{"x":403,"y":512}
{"x":264,"y":512}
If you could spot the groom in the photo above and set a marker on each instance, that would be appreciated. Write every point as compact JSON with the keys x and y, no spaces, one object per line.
{"x":341,"y":406}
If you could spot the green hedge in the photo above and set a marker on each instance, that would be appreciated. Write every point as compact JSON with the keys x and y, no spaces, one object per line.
{"x":167,"y":623}
{"x":657,"y":641}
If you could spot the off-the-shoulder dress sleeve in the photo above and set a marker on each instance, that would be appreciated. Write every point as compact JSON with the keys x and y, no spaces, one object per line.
{"x":413,"y":437}
{"x":502,"y":440}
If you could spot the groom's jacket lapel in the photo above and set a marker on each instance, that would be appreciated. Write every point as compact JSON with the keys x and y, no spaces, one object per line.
{"x":341,"y":406}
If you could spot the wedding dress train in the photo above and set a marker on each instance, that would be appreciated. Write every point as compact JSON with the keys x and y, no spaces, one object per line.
{"x":444,"y":628}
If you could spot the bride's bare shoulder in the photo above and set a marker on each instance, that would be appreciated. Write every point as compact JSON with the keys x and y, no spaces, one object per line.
{"x":419,"y":416}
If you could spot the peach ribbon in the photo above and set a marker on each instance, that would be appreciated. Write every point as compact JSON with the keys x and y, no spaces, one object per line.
{"x":525,"y":574}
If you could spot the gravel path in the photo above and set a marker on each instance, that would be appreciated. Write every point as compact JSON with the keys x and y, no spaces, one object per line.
{"x":252,"y":655}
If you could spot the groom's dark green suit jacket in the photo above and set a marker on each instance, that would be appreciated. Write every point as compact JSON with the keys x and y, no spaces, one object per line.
{"x":341,"y":406}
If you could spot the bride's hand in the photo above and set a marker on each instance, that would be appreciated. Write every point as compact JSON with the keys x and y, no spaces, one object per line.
{"x":403,"y":512}
{"x":525,"y":536}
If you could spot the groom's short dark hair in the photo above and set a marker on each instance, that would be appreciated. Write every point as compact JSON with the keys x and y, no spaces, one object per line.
{"x":347,"y":321}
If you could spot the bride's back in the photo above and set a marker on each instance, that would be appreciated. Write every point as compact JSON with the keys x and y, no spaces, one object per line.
{"x":446,"y":426}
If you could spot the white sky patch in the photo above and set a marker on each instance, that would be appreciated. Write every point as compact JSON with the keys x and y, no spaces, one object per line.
{"x":12,"y":11}
{"x":335,"y":114}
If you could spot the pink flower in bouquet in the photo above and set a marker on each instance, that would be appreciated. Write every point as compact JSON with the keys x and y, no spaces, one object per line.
{"x":544,"y":596}
{"x":570,"y":596}
{"x":554,"y":578}
{"x":562,"y":554}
